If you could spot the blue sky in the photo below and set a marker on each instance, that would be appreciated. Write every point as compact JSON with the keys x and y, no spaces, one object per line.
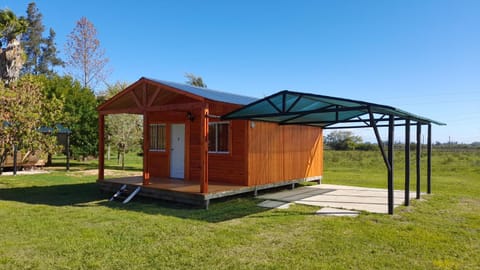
{"x":420,"y":56}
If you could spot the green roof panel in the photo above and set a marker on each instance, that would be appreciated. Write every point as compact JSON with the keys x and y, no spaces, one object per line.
{"x":287,"y":107}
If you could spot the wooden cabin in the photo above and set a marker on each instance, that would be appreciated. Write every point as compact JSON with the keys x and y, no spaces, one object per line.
{"x":189,"y":152}
{"x":26,"y":159}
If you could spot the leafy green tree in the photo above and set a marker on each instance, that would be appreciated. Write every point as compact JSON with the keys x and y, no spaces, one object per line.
{"x":342,"y":140}
{"x":21,"y":113}
{"x":124,"y":130}
{"x":195,"y":80}
{"x":79,"y":112}
{"x":86,"y":59}
{"x":11,"y":26}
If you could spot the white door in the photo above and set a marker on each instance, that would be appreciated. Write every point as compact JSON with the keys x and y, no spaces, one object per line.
{"x":177,"y":151}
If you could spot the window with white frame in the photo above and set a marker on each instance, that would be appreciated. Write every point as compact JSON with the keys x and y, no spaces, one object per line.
{"x":218,"y":133}
{"x":157,"y":137}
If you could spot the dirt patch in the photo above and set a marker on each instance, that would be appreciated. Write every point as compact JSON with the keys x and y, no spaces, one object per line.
{"x":26,"y":172}
{"x":106,"y":172}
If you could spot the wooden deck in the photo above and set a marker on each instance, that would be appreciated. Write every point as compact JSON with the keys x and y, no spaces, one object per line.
{"x":186,"y":191}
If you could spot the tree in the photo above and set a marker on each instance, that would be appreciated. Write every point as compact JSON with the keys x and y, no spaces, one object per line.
{"x":11,"y":26}
{"x":124,"y":130}
{"x":194,"y":80}
{"x":32,"y":39}
{"x":21,"y":112}
{"x":86,"y":59}
{"x":79,"y":113}
{"x":41,"y":53}
{"x":49,"y":58}
{"x":342,"y":140}
{"x":12,"y":57}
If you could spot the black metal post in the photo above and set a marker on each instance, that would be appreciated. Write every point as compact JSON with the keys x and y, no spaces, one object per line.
{"x":429,"y":159}
{"x":67,"y":150}
{"x":407,"y":162}
{"x":419,"y":149}
{"x":14,"y":159}
{"x":379,"y":140}
{"x":390,"y":161}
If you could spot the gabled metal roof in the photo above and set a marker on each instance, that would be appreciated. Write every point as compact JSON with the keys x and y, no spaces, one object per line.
{"x":288,"y":107}
{"x":59,"y":129}
{"x":209,"y":93}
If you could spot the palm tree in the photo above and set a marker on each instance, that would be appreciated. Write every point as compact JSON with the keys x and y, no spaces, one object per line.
{"x":12,"y":57}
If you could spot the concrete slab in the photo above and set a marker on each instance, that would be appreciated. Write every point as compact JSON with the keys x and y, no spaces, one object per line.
{"x":346,"y":197}
{"x":274,"y":204}
{"x":327,"y":211}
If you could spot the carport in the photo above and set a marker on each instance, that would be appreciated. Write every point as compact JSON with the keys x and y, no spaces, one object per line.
{"x":296,"y":108}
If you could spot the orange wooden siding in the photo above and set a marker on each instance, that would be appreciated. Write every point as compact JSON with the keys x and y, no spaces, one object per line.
{"x":225,"y":167}
{"x":159,"y":161}
{"x":261,"y":154}
{"x":229,"y":168}
{"x":281,"y":153}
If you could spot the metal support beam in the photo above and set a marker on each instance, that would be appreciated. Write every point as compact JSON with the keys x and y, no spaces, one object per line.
{"x":407,"y":162}
{"x":379,"y":140}
{"x":330,"y":124}
{"x":391,"y":129}
{"x":429,"y":159}
{"x":419,"y":149}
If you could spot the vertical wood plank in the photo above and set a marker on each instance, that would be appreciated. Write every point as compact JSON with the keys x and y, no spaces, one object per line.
{"x":280,"y":153}
{"x":204,"y":149}
{"x":146,"y":142}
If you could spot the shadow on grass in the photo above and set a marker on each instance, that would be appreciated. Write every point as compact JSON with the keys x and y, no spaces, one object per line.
{"x":55,"y":195}
{"x":219,"y":210}
{"x":88,"y":195}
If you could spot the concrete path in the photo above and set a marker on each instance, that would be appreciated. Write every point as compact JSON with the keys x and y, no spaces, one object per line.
{"x":335,"y":212}
{"x":345,"y":197}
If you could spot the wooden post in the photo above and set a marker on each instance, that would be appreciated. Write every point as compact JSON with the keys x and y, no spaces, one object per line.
{"x":15,"y":159}
{"x":407,"y":162}
{"x":391,"y":127}
{"x":204,"y":149}
{"x":419,"y":149}
{"x":146,"y":142}
{"x":67,"y":150}
{"x":101,"y":146}
{"x":429,"y":159}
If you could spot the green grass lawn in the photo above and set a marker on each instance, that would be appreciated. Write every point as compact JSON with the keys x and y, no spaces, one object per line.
{"x":61,"y":221}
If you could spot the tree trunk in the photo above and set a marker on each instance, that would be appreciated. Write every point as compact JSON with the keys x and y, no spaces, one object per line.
{"x":49,"y":160}
{"x":123,"y":159}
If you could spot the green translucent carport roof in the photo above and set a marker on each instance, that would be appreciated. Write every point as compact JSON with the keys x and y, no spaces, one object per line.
{"x":288,"y":107}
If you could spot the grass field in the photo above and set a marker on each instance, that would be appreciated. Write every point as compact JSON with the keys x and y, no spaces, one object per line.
{"x":61,"y":221}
